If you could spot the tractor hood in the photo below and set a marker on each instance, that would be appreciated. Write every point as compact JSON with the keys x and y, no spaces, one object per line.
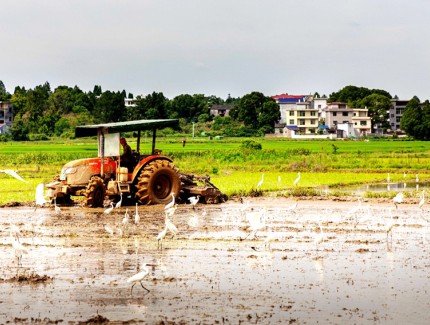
{"x":80,"y":170}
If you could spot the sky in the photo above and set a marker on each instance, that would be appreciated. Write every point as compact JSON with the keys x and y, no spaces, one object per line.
{"x":217,"y":47}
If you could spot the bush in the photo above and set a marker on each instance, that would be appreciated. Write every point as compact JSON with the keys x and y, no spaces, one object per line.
{"x":38,"y":137}
{"x":251,"y":144}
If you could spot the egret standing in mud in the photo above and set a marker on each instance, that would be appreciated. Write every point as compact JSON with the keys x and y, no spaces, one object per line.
{"x":398,"y":199}
{"x":160,"y":237}
{"x":137,"y":278}
{"x":257,"y":221}
{"x":194,"y":200}
{"x":119,"y":203}
{"x":171,"y":227}
{"x":40,"y":195}
{"x":422,"y":201}
{"x":56,"y":207}
{"x":136,"y":217}
{"x":389,"y":226}
{"x":19,"y":249}
{"x":171,"y":203}
{"x":108,"y":210}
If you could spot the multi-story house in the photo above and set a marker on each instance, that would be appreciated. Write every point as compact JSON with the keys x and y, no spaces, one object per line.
{"x":337,"y":113}
{"x":297,"y":113}
{"x":361,"y":121}
{"x":6,"y":116}
{"x":396,"y":112}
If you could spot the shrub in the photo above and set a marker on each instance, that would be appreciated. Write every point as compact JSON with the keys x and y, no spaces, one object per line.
{"x":38,"y":137}
{"x":251,"y":144}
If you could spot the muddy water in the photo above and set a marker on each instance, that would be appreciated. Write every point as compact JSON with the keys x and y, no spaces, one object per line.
{"x":288,"y":271}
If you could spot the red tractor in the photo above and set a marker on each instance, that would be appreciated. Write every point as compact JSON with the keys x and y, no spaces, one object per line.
{"x":152,"y":178}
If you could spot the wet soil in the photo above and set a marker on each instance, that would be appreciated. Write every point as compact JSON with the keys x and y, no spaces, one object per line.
{"x":322,"y":261}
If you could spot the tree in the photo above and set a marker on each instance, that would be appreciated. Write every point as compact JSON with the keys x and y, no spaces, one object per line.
{"x":4,"y":95}
{"x":352,"y":94}
{"x":269,"y":114}
{"x":153,"y":106}
{"x":256,"y":111}
{"x":378,"y":106}
{"x":411,"y":121}
{"x":110,"y":107}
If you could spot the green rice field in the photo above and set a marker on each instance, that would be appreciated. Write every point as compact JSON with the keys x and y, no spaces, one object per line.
{"x":235,"y":170}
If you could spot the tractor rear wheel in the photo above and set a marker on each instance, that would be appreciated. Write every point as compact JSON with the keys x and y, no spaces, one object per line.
{"x":157,"y":180}
{"x":95,"y":192}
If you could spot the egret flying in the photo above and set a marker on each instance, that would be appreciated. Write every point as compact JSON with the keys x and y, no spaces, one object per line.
{"x":13,"y":174}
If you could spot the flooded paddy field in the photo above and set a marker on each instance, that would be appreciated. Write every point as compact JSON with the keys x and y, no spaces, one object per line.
{"x":263,"y":261}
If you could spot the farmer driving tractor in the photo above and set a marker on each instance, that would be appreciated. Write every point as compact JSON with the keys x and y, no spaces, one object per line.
{"x":127,"y":159}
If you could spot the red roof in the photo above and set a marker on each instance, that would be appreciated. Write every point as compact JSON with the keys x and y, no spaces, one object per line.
{"x":287,"y":96}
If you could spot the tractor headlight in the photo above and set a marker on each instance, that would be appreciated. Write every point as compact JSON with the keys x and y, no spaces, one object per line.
{"x":67,"y":171}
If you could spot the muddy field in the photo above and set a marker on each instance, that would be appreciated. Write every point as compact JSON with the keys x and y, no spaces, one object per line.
{"x":320,"y":261}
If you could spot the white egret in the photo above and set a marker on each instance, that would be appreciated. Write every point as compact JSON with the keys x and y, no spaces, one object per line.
{"x":398,"y":199}
{"x":261,"y":181}
{"x":257,"y":221}
{"x":40,"y":195}
{"x":13,"y":174}
{"x":171,"y":211}
{"x":161,"y":236}
{"x":388,"y":178}
{"x":422,"y":201}
{"x":171,"y":227}
{"x":19,"y":249}
{"x":125,"y":219}
{"x":194,"y":200}
{"x":389,"y":226}
{"x":119,"y":203}
{"x":297,"y":179}
{"x":56,"y":207}
{"x":136,"y":217}
{"x":137,"y":278}
{"x":171,"y":203}
{"x":108,"y":210}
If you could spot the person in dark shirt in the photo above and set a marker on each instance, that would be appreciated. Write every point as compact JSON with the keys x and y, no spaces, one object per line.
{"x":127,"y":159}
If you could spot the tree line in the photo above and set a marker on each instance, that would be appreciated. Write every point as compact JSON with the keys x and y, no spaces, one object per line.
{"x":40,"y":113}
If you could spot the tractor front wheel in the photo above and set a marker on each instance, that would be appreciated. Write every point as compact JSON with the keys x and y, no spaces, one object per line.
{"x":157,"y":180}
{"x":95,"y":192}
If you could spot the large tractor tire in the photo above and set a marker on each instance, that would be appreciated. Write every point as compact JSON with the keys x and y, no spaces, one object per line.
{"x":157,"y":180}
{"x":95,"y":192}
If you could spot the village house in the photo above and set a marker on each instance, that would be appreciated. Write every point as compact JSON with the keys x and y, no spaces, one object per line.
{"x":6,"y":116}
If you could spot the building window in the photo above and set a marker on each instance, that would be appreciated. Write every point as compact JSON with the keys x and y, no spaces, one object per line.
{"x":364,"y":123}
{"x":344,"y":113}
{"x":302,"y":122}
{"x":302,"y":113}
{"x":399,"y":111}
{"x":398,"y":119}
{"x":334,"y":113}
{"x":291,"y":122}
{"x":313,"y":113}
{"x":319,"y":106}
{"x":291,"y":113}
{"x":313,"y":122}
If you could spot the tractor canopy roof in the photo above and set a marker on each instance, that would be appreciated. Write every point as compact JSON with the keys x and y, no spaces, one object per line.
{"x":116,"y":127}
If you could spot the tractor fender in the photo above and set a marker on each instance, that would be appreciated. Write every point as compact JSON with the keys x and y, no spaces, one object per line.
{"x":142,"y":163}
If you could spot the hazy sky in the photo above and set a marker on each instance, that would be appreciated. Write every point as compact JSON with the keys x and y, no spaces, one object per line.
{"x":217,"y":47}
